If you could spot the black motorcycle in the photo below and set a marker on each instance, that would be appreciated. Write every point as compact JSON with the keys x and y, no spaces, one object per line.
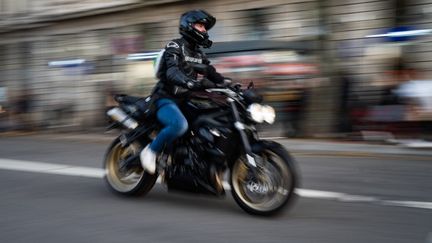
{"x":222,"y":144}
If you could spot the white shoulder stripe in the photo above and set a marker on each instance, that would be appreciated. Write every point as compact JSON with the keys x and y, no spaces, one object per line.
{"x":172,"y":44}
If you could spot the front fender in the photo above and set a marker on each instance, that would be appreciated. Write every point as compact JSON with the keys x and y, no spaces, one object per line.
{"x":261,"y":145}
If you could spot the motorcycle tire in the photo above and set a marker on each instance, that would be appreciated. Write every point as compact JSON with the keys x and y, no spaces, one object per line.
{"x":134,"y":181}
{"x":274,"y":189}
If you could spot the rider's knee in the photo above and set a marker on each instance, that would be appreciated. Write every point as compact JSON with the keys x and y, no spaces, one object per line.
{"x":181,"y":127}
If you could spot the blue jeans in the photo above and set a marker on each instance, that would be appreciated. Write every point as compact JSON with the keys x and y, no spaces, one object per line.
{"x":174,"y":121}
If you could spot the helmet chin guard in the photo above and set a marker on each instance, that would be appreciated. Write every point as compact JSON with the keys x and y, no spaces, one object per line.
{"x":188,"y":19}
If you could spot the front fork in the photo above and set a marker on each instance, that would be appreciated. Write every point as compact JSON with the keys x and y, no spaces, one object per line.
{"x":253,"y":159}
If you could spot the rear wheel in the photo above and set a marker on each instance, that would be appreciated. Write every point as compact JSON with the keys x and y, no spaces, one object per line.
{"x":269,"y":188}
{"x":130,"y":180}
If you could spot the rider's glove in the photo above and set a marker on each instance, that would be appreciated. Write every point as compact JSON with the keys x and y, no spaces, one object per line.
{"x":236,"y":87}
{"x":227,"y":82}
{"x":193,"y":84}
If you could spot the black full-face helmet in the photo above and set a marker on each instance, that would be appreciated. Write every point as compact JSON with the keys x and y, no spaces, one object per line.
{"x":189,"y":32}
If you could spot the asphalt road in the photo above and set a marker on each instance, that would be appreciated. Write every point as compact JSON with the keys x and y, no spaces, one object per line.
{"x":343,"y":198}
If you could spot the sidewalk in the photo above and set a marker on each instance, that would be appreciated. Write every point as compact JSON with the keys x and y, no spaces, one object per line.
{"x":315,"y":146}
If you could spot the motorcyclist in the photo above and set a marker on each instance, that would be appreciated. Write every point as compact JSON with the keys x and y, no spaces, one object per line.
{"x":177,"y":77}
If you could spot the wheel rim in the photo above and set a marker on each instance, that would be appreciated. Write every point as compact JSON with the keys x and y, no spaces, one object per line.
{"x":122,"y":181}
{"x":267,"y":191}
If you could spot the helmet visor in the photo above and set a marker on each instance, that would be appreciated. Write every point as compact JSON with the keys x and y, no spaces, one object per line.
{"x":201,"y":16}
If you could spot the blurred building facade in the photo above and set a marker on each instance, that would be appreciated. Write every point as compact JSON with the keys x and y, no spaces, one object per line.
{"x":69,"y":54}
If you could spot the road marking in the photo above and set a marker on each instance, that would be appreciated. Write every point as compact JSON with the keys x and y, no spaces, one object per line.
{"x":69,"y":170}
{"x":410,"y":204}
{"x":48,"y":168}
{"x":335,"y":196}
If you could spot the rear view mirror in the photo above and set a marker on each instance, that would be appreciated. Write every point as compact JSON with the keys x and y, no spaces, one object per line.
{"x":251,"y":85}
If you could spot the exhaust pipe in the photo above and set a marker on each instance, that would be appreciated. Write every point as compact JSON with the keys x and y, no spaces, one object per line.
{"x":120,"y":116}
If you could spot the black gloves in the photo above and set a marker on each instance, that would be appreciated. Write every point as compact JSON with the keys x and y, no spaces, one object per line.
{"x":236,"y":87}
{"x":213,"y":75}
{"x":193,"y":84}
{"x":205,"y":83}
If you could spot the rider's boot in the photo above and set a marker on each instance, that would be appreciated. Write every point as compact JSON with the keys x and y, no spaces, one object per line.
{"x":148,"y":160}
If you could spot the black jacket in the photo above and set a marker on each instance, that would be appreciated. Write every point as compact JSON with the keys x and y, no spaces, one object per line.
{"x":177,"y":69}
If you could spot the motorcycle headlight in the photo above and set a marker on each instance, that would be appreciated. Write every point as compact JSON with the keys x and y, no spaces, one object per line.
{"x":260,"y":113}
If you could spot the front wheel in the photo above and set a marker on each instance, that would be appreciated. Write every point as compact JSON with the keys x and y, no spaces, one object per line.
{"x":269,"y":188}
{"x":129,"y":180}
